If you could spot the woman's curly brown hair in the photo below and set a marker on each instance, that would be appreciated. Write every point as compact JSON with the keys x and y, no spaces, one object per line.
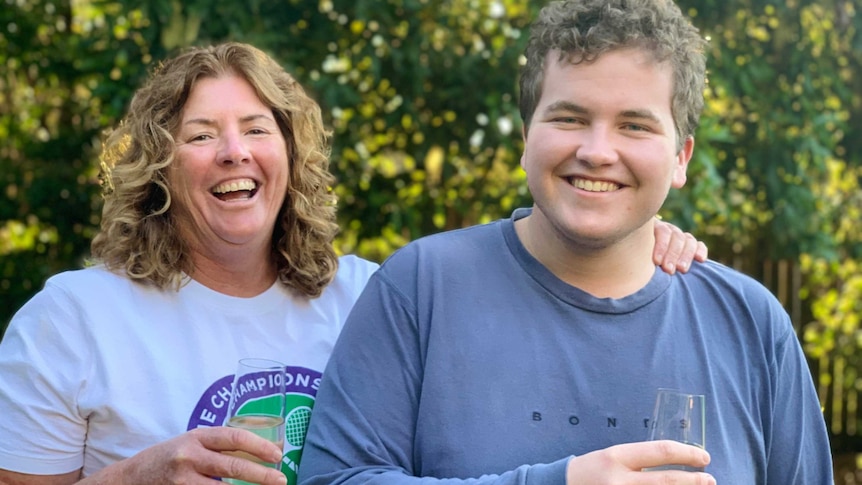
{"x":138,"y":234}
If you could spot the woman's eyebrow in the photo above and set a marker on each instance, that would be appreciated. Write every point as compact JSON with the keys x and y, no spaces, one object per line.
{"x":212,"y":122}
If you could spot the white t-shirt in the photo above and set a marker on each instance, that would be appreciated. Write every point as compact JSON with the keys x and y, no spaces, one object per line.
{"x":95,"y":368}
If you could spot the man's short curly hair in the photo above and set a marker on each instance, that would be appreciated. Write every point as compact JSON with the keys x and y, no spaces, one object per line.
{"x":138,"y":234}
{"x":582,"y":30}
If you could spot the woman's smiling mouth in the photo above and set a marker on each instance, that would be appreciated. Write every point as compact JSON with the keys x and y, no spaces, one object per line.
{"x":242,"y":189}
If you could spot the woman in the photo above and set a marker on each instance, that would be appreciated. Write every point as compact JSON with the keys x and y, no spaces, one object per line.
{"x":215,"y":244}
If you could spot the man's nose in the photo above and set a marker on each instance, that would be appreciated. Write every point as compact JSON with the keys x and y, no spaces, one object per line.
{"x":596,"y":146}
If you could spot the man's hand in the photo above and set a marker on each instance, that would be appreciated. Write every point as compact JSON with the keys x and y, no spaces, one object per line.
{"x":622,"y":465}
{"x":675,"y":250}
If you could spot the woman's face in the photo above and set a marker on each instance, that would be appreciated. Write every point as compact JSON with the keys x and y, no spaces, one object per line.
{"x":230,"y":176}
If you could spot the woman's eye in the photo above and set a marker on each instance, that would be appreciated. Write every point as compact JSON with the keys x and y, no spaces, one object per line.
{"x":200,"y":137}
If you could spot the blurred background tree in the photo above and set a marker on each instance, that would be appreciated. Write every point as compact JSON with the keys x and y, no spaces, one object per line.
{"x":421,"y":96}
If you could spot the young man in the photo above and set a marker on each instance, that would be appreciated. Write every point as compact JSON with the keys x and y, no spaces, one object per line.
{"x":530,"y":350}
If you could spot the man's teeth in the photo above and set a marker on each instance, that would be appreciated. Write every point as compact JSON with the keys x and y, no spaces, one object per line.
{"x":234,"y":186}
{"x":595,"y":186}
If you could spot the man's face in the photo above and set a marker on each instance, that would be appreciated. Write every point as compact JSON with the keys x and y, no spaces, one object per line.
{"x":600,"y":152}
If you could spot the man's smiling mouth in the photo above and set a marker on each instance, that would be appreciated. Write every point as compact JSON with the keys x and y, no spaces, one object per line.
{"x":593,"y":185}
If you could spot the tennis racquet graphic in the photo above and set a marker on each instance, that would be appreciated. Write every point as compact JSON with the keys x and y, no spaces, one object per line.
{"x":295,"y":427}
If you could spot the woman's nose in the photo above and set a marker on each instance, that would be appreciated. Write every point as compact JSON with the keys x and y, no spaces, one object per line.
{"x":233,"y":150}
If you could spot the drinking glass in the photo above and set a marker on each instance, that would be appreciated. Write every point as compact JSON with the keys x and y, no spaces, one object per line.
{"x":257,"y":403}
{"x":678,"y":416}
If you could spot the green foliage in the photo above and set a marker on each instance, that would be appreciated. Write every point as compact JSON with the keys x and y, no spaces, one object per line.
{"x":784,"y":91}
{"x":65,"y":74}
{"x":835,"y":286}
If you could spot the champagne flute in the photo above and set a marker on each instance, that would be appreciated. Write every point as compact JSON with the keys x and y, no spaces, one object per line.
{"x":257,"y":404}
{"x":678,"y":416}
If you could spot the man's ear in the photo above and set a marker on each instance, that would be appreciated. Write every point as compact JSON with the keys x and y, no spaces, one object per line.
{"x":682,"y":159}
{"x":524,"y":152}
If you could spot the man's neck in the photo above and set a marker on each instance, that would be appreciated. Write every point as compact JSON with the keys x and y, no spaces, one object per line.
{"x":615,"y":271}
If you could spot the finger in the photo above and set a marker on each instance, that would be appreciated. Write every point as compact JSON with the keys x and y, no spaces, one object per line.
{"x":665,"y":452}
{"x":221,"y":438}
{"x":244,"y":467}
{"x":694,"y":250}
{"x":678,"y":477}
{"x":662,"y":232}
{"x":670,"y":244}
{"x":702,"y":252}
{"x":687,"y":253}
{"x":239,"y":454}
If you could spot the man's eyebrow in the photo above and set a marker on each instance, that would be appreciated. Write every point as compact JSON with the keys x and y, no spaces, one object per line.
{"x":566,"y":106}
{"x":570,"y":107}
{"x":642,"y":114}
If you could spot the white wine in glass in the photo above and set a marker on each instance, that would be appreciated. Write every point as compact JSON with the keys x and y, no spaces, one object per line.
{"x":270,"y":428}
{"x":257,"y":404}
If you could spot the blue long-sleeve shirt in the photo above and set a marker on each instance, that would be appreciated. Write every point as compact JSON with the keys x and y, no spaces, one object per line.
{"x":465,"y":359}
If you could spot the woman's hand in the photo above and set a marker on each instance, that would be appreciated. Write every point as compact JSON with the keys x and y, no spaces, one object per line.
{"x":675,"y":250}
{"x":194,"y":458}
